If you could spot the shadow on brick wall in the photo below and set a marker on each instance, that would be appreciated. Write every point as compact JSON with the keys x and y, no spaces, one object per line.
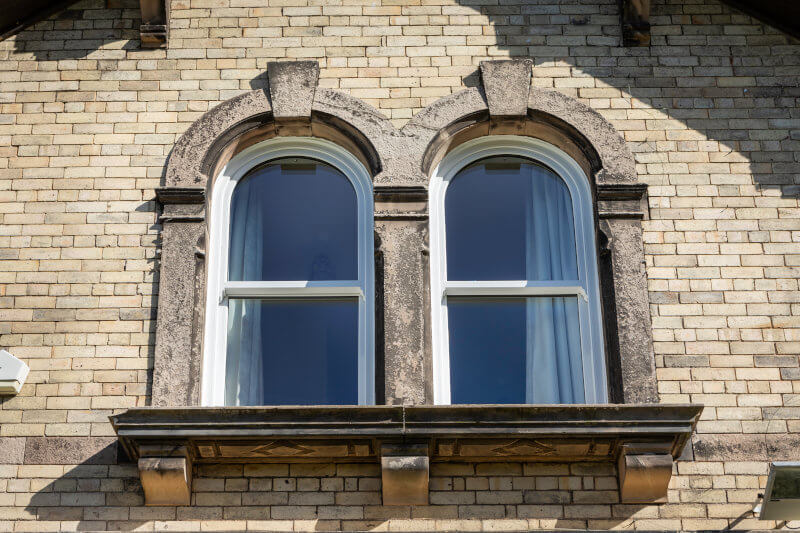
{"x":87,"y":30}
{"x":104,"y":493}
{"x":696,"y":84}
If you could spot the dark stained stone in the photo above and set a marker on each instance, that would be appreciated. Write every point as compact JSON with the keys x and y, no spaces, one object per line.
{"x":70,"y":450}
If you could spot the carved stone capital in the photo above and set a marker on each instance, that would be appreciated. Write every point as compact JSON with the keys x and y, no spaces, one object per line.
{"x":401,"y":203}
{"x":181,"y":204}
{"x":405,"y":474}
{"x":166,"y":475}
{"x":621,"y":200}
{"x":644,"y":472}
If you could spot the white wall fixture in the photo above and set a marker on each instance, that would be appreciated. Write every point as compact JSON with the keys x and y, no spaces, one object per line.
{"x":12,"y":374}
{"x":782,"y":495}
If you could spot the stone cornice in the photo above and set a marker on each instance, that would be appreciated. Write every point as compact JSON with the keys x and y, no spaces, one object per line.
{"x":563,"y":433}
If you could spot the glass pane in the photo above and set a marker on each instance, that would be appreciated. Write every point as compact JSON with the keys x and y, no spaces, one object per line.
{"x":293,"y":219}
{"x":292,"y":352}
{"x":501,"y":348}
{"x":509,"y":218}
{"x":786,"y":484}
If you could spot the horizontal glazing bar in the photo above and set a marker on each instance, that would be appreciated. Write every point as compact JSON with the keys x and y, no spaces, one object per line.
{"x":296,"y":289}
{"x":515,"y":288}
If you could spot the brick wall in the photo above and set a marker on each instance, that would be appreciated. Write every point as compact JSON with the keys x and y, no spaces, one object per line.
{"x":87,"y":120}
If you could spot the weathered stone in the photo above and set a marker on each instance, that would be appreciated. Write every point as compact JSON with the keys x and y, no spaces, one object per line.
{"x":631,"y":327}
{"x":70,"y":450}
{"x":431,"y":130}
{"x":403,"y":439}
{"x":176,"y":369}
{"x":13,"y":450}
{"x":291,"y":88}
{"x":404,"y":292}
{"x":356,"y":121}
{"x":616,"y":163}
{"x":187,"y":163}
{"x":507,"y":84}
{"x":743,"y":447}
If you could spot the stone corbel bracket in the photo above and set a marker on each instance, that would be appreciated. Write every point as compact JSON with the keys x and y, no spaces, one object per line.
{"x":405,"y":474}
{"x":635,"y":20}
{"x":155,"y":23}
{"x":644,"y":471}
{"x":166,"y":475}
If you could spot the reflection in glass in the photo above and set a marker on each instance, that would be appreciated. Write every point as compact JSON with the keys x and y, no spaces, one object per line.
{"x":786,"y":484}
{"x":496,"y":342}
{"x":293,"y":219}
{"x":508,"y":218}
{"x":292,"y":352}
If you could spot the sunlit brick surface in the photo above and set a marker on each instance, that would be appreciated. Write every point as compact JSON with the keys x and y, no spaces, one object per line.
{"x":87,"y":119}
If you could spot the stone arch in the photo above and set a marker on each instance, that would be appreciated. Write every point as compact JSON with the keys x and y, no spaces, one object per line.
{"x":291,"y":106}
{"x":507,"y":104}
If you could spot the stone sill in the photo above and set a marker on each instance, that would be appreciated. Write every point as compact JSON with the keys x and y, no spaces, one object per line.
{"x":642,"y":439}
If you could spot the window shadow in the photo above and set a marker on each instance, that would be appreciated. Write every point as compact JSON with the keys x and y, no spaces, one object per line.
{"x":103,"y":493}
{"x":95,"y":32}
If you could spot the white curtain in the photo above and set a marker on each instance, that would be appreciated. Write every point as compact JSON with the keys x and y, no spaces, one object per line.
{"x":553,"y":353}
{"x":244,"y":376}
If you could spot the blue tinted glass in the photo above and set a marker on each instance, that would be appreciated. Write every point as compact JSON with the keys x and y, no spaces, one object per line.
{"x":292,"y":352}
{"x":499,"y":345}
{"x":294,"y":219}
{"x":508,"y":218}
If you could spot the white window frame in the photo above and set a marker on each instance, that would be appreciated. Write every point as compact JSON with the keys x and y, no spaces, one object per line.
{"x":220,"y":289}
{"x":586,"y":288}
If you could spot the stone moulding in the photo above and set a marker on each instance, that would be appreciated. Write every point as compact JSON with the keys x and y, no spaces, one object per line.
{"x":643,"y":440}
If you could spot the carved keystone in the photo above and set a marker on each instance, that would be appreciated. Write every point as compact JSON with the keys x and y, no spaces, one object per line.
{"x":644,"y":473}
{"x":292,"y":85}
{"x":405,"y":471}
{"x":507,"y":85}
{"x":166,"y":480}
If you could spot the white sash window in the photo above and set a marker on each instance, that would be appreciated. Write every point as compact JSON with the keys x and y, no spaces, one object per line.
{"x":290,"y":287}
{"x":515,"y":295}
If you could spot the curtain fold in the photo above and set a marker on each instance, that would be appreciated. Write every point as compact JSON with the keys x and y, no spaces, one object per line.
{"x":244,"y":376}
{"x":553,"y":352}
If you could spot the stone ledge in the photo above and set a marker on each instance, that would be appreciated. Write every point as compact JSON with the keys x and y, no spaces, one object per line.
{"x":627,"y":434}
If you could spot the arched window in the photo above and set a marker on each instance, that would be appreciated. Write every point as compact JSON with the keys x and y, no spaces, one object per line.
{"x":515,"y":297}
{"x":290,"y":296}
